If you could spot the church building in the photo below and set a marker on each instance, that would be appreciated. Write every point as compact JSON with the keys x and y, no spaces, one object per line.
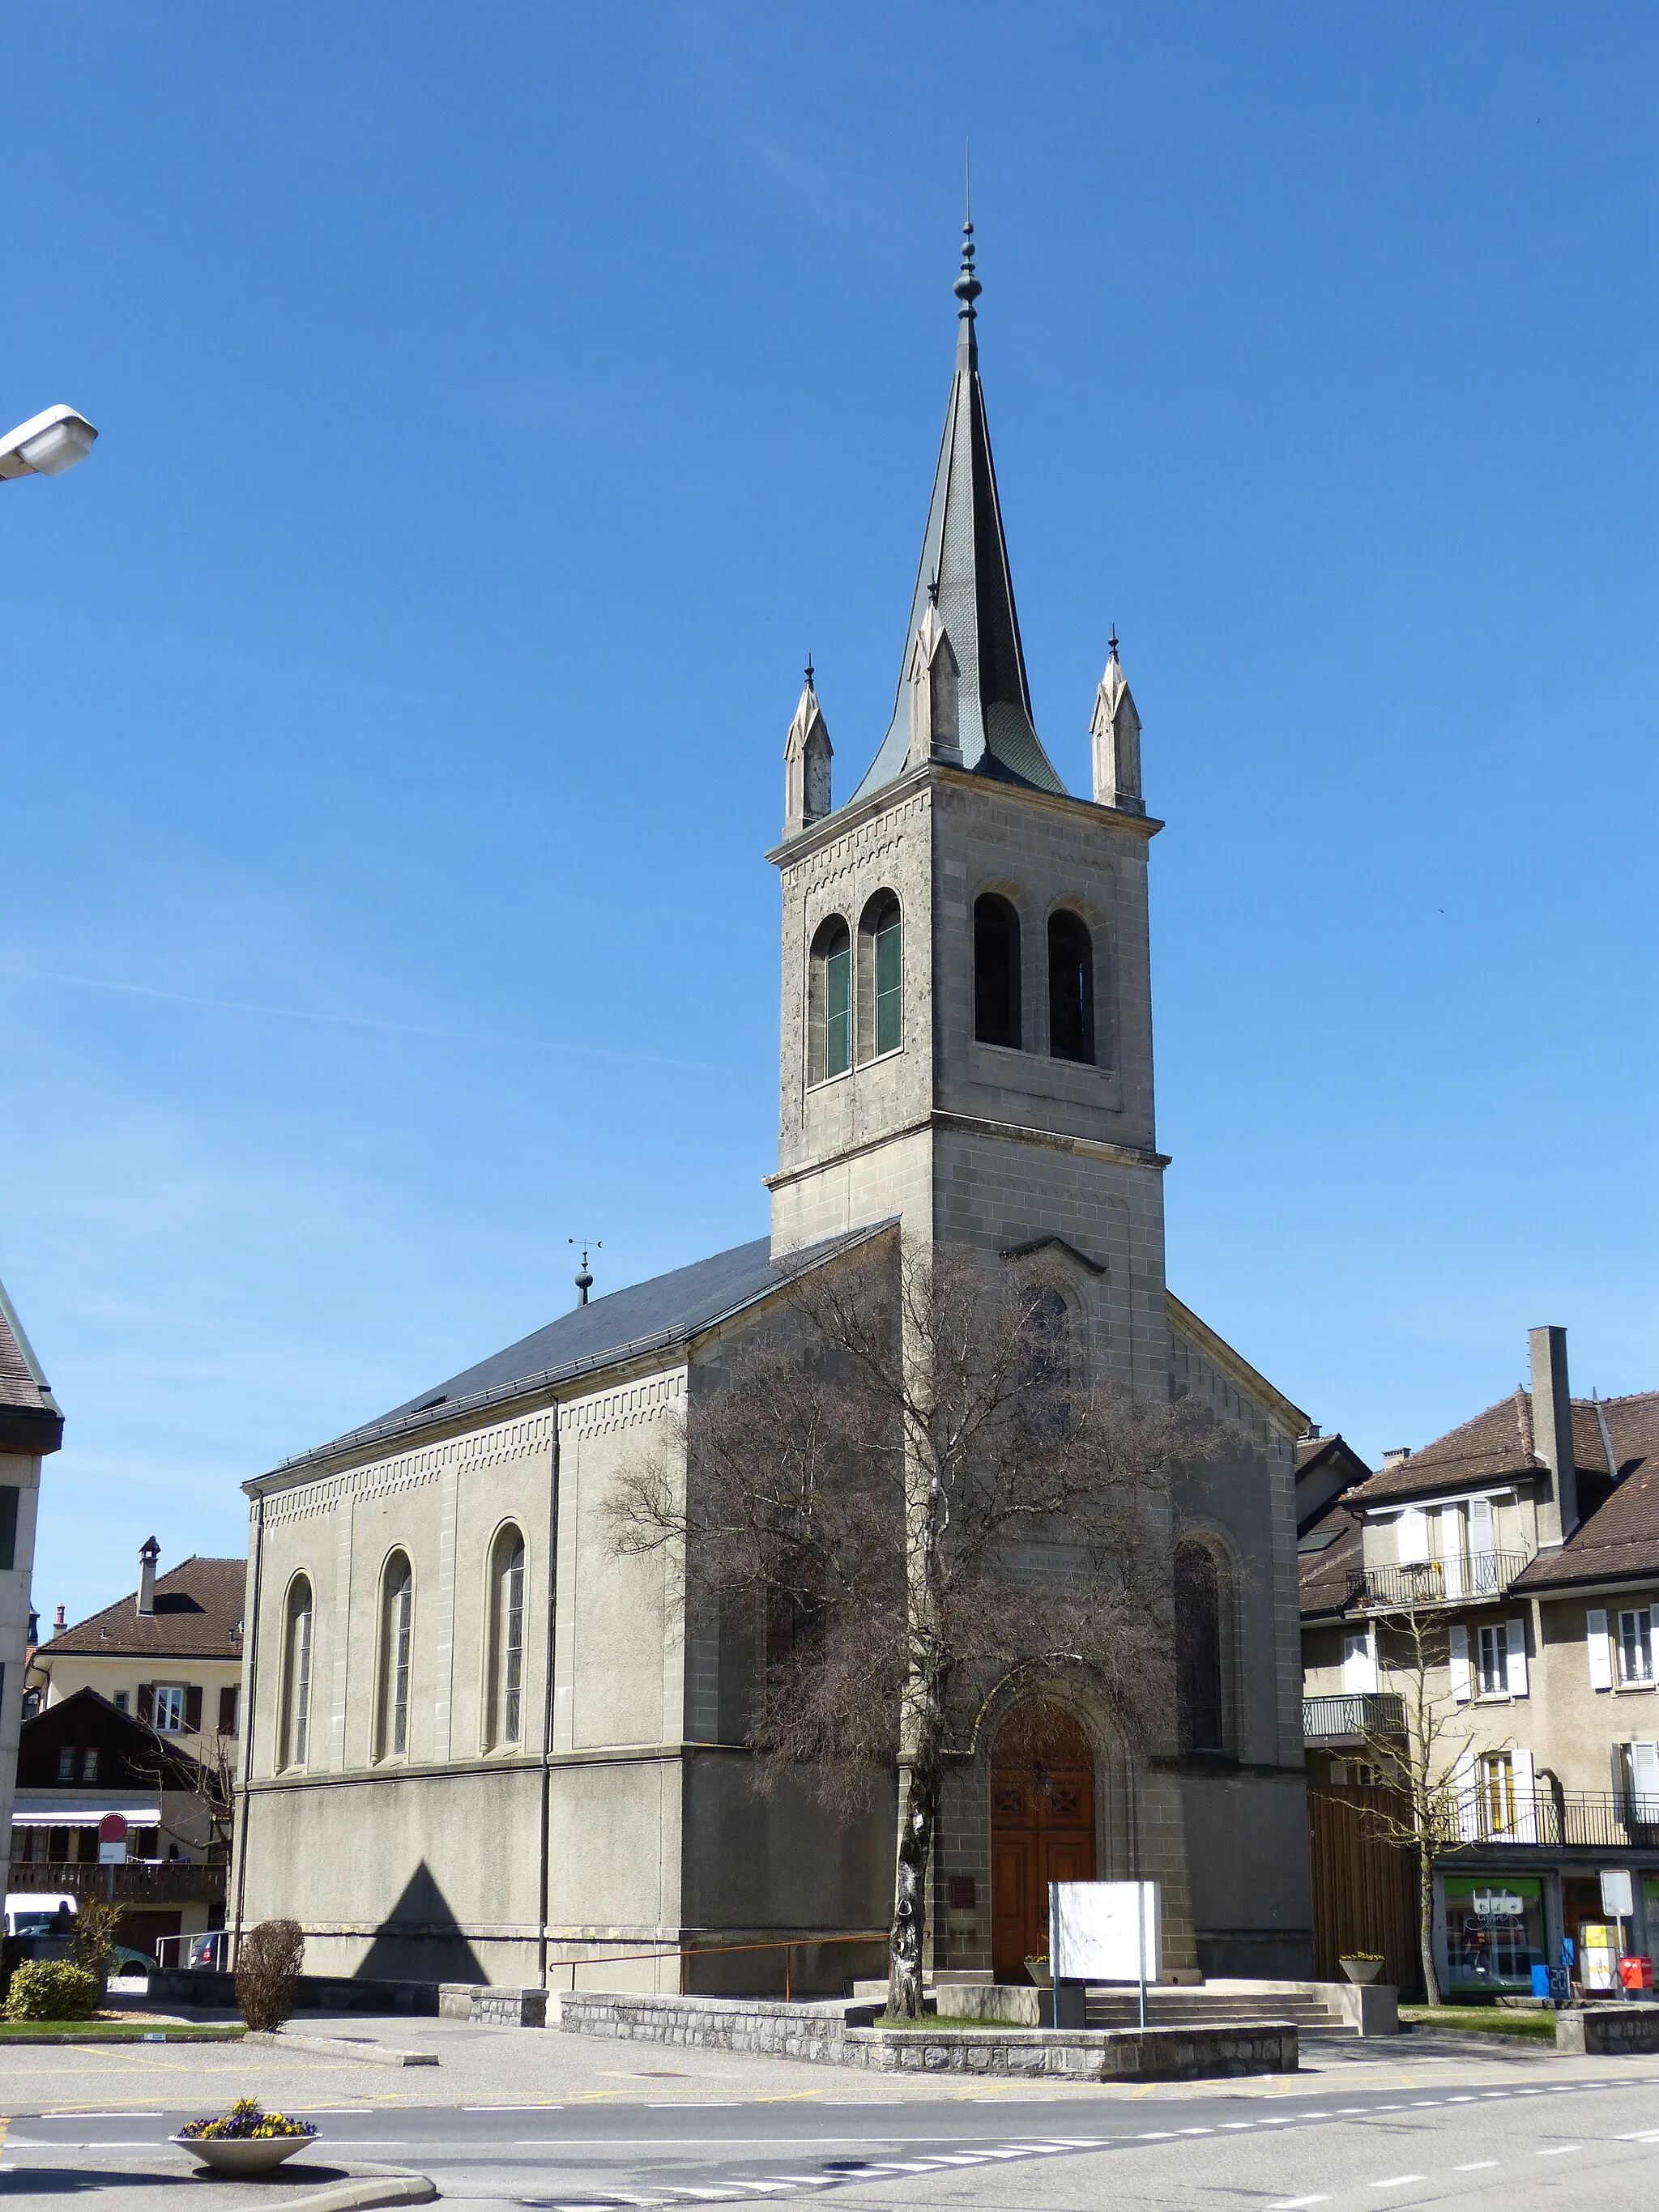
{"x":481,"y":1745}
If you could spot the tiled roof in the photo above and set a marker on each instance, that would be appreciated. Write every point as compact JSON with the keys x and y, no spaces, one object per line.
{"x":647,"y":1316}
{"x":198,"y":1615}
{"x":1324,"y":1567}
{"x":1494,"y":1444}
{"x":1621,"y":1538}
{"x":1497,"y":1446}
{"x":30,"y":1419}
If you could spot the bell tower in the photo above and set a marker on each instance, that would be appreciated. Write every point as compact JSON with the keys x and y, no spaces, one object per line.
{"x":966,"y":1019}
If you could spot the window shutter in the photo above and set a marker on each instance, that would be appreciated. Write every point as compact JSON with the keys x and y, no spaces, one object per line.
{"x":1526,"y":1803}
{"x":193,"y":1708}
{"x":227,"y":1710}
{"x":147,"y":1702}
{"x":1653,"y":1634}
{"x":1515,"y":1656}
{"x":1467,"y":1801}
{"x":1412,"y":1537}
{"x":1644,"y":1782}
{"x":1461,"y":1686}
{"x":1595,"y":1644}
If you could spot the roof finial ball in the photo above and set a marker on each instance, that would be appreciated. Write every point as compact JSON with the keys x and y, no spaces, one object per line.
{"x":967,"y":287}
{"x":584,"y":1279}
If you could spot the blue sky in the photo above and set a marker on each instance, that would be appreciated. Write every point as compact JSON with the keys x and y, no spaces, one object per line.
{"x":498,"y":404}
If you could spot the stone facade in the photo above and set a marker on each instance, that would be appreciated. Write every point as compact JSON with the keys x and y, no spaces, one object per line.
{"x":621,"y":1820}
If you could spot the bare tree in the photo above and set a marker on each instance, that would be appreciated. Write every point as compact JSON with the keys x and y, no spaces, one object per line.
{"x":909,"y":1485}
{"x":1423,"y":1756}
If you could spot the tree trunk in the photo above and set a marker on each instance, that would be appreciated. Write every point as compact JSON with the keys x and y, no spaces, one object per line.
{"x":915,"y":1852}
{"x":1426,"y":1926}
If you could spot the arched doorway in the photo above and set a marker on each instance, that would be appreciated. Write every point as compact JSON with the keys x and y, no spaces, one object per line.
{"x":1042,"y":1827}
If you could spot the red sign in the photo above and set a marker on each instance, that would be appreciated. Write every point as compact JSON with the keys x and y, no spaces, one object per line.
{"x":113,"y":1828}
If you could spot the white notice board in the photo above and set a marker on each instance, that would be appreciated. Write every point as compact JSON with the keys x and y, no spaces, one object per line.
{"x":1097,"y":1931}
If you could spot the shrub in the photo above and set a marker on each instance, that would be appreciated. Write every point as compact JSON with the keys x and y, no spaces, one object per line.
{"x":95,"y":1924}
{"x":51,"y":1989}
{"x":268,"y":1961}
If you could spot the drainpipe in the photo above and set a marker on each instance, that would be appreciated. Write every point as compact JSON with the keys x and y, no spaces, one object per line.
{"x":547,"y":1694}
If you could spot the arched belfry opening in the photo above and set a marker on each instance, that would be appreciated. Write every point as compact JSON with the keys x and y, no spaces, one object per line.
{"x":1042,"y":1826}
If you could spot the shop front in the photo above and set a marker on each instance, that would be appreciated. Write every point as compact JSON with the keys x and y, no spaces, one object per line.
{"x":1494,"y":1933}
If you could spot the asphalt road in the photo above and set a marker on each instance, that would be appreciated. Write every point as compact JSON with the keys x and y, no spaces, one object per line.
{"x":1594,"y":2139}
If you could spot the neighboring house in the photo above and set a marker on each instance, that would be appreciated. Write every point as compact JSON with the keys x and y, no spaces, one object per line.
{"x":30,"y":1426}
{"x":481,"y":1745}
{"x":1531,"y":1535}
{"x":169,"y":1653}
{"x":82,"y":1759}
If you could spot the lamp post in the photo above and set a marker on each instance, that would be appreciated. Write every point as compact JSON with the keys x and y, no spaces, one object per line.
{"x":47,"y":444}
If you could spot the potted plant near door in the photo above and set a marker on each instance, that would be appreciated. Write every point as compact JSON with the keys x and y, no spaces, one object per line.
{"x":1362,"y":1966}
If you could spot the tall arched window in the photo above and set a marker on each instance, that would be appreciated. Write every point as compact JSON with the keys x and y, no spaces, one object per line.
{"x":1046,"y":1378}
{"x":881,"y":978}
{"x":830,"y":1002}
{"x":996,"y":971}
{"x":1198,"y":1647}
{"x":506,"y":1638}
{"x":295,"y":1734}
{"x":1071,"y":987}
{"x":397,"y":1644}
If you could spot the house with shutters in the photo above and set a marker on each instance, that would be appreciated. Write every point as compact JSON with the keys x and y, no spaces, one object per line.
{"x":169,"y":1653}
{"x":1531,"y":1536}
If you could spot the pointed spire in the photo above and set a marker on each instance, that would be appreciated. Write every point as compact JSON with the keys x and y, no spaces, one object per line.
{"x":806,"y":756}
{"x":964,"y":582}
{"x":1116,"y":729}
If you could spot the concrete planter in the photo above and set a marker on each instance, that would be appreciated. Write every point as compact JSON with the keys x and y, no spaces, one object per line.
{"x":243,"y":2158}
{"x":1362,"y":1970}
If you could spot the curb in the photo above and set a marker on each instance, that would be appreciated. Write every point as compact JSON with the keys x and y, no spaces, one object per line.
{"x":366,"y":2190}
{"x":372,"y":2054}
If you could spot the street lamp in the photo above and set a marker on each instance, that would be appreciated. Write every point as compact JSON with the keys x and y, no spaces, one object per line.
{"x":46,"y":444}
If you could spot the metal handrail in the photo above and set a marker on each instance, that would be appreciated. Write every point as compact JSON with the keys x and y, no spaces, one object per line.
{"x":1458,"y":1581}
{"x":1361,"y":1712}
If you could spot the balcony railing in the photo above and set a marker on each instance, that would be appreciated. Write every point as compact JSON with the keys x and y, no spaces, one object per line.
{"x":1559,"y":1819}
{"x":140,"y":1882}
{"x":1353,"y":1717}
{"x":1437,"y":1581}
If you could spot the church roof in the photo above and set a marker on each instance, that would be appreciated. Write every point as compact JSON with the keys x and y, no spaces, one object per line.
{"x":30,"y":1421}
{"x":648,"y":1317}
{"x":964,"y":572}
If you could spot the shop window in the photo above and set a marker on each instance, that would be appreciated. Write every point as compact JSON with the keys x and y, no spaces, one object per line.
{"x":1494,"y":1932}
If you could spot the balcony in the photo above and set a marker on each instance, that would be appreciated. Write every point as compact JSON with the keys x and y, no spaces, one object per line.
{"x":139,"y":1882}
{"x":1559,"y":1820}
{"x":1353,"y":1718}
{"x":1437,"y":1582}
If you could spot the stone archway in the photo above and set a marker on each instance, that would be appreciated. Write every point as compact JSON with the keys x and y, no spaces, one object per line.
{"x":1042,"y":1827}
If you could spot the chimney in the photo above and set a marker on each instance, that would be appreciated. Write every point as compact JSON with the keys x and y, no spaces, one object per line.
{"x":1551,"y":1430}
{"x":1398,"y":1456}
{"x":58,"y":1623}
{"x":147,"y":1557}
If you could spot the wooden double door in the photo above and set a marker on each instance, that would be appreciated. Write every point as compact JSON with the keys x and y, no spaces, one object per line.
{"x":1042,"y":1828}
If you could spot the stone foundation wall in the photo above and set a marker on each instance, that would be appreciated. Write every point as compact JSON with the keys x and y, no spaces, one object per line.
{"x":1608,"y":2030}
{"x":1158,"y":2054}
{"x":492,"y":2008}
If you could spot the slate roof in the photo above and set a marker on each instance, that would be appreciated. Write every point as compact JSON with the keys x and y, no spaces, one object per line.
{"x":648,"y":1317}
{"x":964,"y":555}
{"x":30,"y":1417}
{"x":198,"y":1615}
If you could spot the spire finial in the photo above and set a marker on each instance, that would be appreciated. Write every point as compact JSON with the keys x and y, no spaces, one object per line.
{"x":584,"y":1276}
{"x":967,"y":286}
{"x":1111,"y":644}
{"x":810,"y":673}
